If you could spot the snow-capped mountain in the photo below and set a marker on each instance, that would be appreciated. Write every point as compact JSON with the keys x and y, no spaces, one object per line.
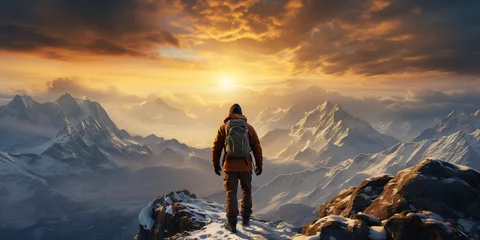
{"x":89,"y":138}
{"x":159,"y":112}
{"x":404,"y":130}
{"x":78,"y":109}
{"x":26,"y":122}
{"x":151,"y":140}
{"x":455,"y":121}
{"x":324,"y":136}
{"x":271,"y":119}
{"x":315,"y":186}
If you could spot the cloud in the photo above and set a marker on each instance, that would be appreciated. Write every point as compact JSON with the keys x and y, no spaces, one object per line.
{"x":359,"y":37}
{"x":63,"y":28}
{"x":76,"y":87}
{"x":342,"y":37}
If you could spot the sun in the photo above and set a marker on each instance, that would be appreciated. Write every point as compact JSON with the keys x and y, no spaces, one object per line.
{"x":226,"y":82}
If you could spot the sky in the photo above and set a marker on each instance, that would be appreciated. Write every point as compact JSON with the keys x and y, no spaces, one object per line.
{"x":209,"y":53}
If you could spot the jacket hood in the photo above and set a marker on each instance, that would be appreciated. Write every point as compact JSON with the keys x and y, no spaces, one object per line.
{"x":235,"y":116}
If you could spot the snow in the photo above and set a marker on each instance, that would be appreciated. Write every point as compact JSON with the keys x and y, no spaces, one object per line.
{"x":169,"y":210}
{"x":335,"y":218}
{"x":377,"y":233}
{"x":213,"y":215}
{"x":429,"y":217}
{"x":145,"y":217}
{"x":326,"y":135}
{"x":303,"y":237}
{"x":315,"y":186}
{"x":466,"y":224}
{"x":452,"y":180}
{"x":370,"y":218}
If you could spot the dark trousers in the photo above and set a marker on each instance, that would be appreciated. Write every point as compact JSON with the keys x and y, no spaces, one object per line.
{"x":230,"y":181}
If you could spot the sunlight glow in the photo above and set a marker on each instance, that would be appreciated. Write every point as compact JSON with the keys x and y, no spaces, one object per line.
{"x":226,"y":82}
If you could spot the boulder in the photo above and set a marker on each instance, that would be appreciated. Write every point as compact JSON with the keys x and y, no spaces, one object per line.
{"x":422,"y":225}
{"x":355,"y":199}
{"x":337,"y":227}
{"x":432,"y":200}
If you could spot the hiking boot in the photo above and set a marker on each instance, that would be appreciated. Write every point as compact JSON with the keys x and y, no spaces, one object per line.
{"x":246,"y":221}
{"x":230,"y":226}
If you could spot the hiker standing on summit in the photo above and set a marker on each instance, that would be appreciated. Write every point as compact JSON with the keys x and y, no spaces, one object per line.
{"x":235,"y":141}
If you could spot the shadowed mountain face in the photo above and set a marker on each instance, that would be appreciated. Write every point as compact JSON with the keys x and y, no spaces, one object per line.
{"x":24,"y":122}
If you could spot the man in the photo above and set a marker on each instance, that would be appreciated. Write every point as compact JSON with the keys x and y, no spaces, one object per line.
{"x":235,"y":140}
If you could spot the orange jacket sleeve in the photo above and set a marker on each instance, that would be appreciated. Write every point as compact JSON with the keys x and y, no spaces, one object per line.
{"x":256,"y":147}
{"x":218,"y":145}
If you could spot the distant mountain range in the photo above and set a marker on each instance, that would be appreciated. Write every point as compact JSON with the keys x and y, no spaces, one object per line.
{"x":314,"y":186}
{"x":68,"y":152}
{"x":324,"y":136}
{"x":72,"y":153}
{"x":454,"y":122}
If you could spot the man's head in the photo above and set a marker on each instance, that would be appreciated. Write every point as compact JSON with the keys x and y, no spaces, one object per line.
{"x":235,"y":108}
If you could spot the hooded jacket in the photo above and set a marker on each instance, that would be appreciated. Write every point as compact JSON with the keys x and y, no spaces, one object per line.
{"x":236,"y":165}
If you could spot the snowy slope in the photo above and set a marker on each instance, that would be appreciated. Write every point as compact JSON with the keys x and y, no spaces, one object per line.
{"x":315,"y":186}
{"x":454,"y":122}
{"x":78,"y":109}
{"x":270,"y":119}
{"x":325,"y":136}
{"x":404,"y":130}
{"x":207,"y":219}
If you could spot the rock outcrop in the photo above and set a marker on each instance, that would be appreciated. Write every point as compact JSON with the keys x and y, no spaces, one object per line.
{"x":180,"y":215}
{"x":432,"y":200}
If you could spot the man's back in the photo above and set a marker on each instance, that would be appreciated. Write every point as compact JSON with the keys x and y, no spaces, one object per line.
{"x":237,"y":169}
{"x":236,"y":165}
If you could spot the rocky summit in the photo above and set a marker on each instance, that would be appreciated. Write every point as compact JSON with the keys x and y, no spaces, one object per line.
{"x":432,"y":200}
{"x":181,"y":215}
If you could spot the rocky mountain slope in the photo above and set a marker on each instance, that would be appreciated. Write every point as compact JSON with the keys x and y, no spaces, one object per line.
{"x":432,"y":200}
{"x":325,"y":136}
{"x":454,"y":122}
{"x":181,"y":215}
{"x":314,"y":186}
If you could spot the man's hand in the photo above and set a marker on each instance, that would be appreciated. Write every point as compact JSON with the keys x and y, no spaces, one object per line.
{"x":258,"y":171}
{"x":218,"y":170}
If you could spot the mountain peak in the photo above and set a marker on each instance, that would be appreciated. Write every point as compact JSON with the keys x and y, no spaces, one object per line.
{"x":477,"y":113}
{"x":21,"y":102}
{"x":456,"y":113}
{"x":327,"y":105}
{"x":66,"y":98}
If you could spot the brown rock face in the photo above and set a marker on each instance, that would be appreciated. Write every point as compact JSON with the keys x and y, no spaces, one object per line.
{"x":338,"y":228}
{"x":433,"y":200}
{"x":434,"y":186}
{"x":421,"y":225}
{"x":355,"y":199}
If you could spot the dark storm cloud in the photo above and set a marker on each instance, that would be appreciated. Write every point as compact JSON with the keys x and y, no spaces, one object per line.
{"x":403,"y":36}
{"x":107,"y":27}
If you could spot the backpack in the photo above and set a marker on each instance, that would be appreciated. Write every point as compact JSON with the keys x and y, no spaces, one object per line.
{"x":237,"y":144}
